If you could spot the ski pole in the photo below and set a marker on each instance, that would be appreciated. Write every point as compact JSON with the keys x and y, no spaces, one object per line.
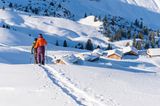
{"x":46,"y":55}
{"x":30,"y":59}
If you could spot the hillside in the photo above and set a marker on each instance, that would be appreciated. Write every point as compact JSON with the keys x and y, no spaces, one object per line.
{"x":106,"y":82}
{"x":16,"y":26}
{"x":141,"y":23}
{"x":75,"y":9}
{"x":73,"y":74}
{"x":130,"y":9}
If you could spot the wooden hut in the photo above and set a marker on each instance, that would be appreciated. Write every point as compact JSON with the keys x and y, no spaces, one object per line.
{"x":59,"y":61}
{"x":115,"y":54}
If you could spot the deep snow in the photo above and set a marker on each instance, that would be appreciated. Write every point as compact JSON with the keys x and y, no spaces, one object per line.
{"x":133,"y":81}
{"x":131,"y":9}
{"x":28,"y":85}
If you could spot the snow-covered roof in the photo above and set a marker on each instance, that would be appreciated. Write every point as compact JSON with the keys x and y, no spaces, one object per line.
{"x":130,"y":49}
{"x":98,"y":51}
{"x":138,"y":40}
{"x":153,"y":52}
{"x":115,"y":51}
{"x":69,"y":58}
{"x":88,"y":56}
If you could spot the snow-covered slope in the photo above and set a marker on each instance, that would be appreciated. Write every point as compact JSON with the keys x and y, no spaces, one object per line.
{"x":131,"y":9}
{"x":133,"y":81}
{"x":90,"y":21}
{"x":153,"y":5}
{"x":10,"y":37}
{"x":75,"y":9}
{"x":115,"y":87}
{"x":103,"y":83}
{"x":28,"y":85}
{"x":23,"y":27}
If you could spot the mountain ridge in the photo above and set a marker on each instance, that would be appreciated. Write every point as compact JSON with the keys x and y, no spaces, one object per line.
{"x":76,"y":9}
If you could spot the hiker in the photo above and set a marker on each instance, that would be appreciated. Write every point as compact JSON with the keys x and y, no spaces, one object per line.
{"x":40,"y":46}
{"x":34,"y":51}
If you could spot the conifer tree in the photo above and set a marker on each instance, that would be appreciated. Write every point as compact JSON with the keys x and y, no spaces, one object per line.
{"x":98,"y":47}
{"x":109,"y":47}
{"x":89,"y":45}
{"x":10,"y":5}
{"x":105,"y":20}
{"x":152,"y":39}
{"x":134,"y":42}
{"x":136,"y":23}
{"x":139,"y":46}
{"x":113,"y":21}
{"x":7,"y":26}
{"x":105,"y":27}
{"x":153,"y":42}
{"x":140,"y":35}
{"x":158,"y":33}
{"x":85,"y":15}
{"x":141,"y":25}
{"x":3,"y":8}
{"x":146,"y":45}
{"x":65,"y":43}
{"x":3,"y":26}
{"x":57,"y":44}
{"x":146,"y":31}
{"x":95,"y":19}
{"x":99,"y":18}
{"x":129,"y":34}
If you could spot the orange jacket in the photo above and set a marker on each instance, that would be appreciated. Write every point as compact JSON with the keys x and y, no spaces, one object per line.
{"x":40,"y":42}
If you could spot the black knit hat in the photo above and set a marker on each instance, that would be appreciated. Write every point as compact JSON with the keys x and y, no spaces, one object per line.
{"x":35,"y":39}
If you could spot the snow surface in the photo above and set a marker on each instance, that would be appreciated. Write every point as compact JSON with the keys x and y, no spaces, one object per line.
{"x":53,"y":29}
{"x":130,"y":49}
{"x":28,"y":85}
{"x":106,"y":82}
{"x":90,"y":21}
{"x":149,"y":10}
{"x":153,"y":52}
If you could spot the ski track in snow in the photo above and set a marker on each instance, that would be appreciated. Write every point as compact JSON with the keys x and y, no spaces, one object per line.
{"x":79,"y":96}
{"x":156,"y":63}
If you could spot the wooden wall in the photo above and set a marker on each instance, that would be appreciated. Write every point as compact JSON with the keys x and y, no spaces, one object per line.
{"x":114,"y":56}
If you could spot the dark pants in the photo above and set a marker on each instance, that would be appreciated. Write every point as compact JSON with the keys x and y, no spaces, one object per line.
{"x":35,"y":56}
{"x":41,"y":54}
